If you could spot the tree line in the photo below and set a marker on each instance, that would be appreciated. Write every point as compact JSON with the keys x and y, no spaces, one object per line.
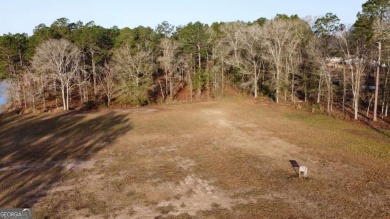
{"x":320,"y":61}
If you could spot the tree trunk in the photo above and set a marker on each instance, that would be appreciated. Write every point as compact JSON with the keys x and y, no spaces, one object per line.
{"x":63,"y":95}
{"x":85,"y":93}
{"x":55,"y":92}
{"x":67,"y":98}
{"x":190,"y":83}
{"x":287,"y":71}
{"x":277,"y":83}
{"x":33,"y":101}
{"x":80,"y":84}
{"x":215,"y":82}
{"x":385,"y":94}
{"x":171,"y":88}
{"x":377,"y":82}
{"x":108,"y":98}
{"x":292,"y":87}
{"x":208,"y":87}
{"x":369,"y":105}
{"x":24,"y":93}
{"x":331,"y":98}
{"x":161,"y":90}
{"x":328,"y":81}
{"x":94,"y":73}
{"x":199,"y":89}
{"x":319,"y":89}
{"x":167,"y":77}
{"x":222,"y":77}
{"x":199,"y":57}
{"x":355,"y":83}
{"x":255,"y":81}
{"x":328,"y":103}
{"x":305,"y":90}
{"x":344,"y":90}
{"x":356,"y":107}
{"x":43,"y":93}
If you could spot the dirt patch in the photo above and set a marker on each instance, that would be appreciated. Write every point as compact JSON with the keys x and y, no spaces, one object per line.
{"x":199,"y":195}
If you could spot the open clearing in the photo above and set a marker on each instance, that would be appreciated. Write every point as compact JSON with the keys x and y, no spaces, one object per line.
{"x":222,"y":159}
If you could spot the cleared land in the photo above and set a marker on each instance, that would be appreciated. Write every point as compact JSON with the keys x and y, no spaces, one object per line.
{"x":223,"y":159}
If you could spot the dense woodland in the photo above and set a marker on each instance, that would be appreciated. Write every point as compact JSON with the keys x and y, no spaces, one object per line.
{"x":321,"y":62}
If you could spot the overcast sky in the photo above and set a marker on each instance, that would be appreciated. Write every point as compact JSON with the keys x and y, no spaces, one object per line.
{"x":18,"y":16}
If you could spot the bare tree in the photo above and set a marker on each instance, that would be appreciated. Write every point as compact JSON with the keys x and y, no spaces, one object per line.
{"x":386,"y":92}
{"x":356,"y":66}
{"x":219,"y":55}
{"x":357,"y":73}
{"x":293,"y":55}
{"x":107,"y":82}
{"x":277,"y":34}
{"x":252,"y":45}
{"x":324,"y":72}
{"x":134,"y":70}
{"x":34,"y":89}
{"x":231,"y":40}
{"x":61,"y":58}
{"x":244,"y":49}
{"x":381,"y":34}
{"x":344,"y":46}
{"x":387,"y":96}
{"x":167,"y":61}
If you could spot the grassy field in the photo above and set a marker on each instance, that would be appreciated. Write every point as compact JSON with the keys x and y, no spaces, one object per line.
{"x":224,"y":159}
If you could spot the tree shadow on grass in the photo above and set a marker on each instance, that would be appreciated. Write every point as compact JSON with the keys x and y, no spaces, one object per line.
{"x":35,"y":151}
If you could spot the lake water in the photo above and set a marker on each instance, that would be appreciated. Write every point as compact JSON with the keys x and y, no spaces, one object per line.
{"x":3,"y":93}
{"x":2,"y":99}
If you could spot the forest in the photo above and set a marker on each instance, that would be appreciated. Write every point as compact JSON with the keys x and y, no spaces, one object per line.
{"x":319,"y":62}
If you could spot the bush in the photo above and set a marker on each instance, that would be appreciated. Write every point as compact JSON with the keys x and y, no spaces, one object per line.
{"x":90,"y":105}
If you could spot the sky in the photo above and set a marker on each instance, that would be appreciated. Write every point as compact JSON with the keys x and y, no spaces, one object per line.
{"x":22,"y":16}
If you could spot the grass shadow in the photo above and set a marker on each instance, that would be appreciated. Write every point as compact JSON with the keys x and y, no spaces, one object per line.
{"x":35,"y":151}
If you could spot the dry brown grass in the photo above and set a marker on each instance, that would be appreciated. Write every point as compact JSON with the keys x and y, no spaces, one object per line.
{"x":224,"y":159}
